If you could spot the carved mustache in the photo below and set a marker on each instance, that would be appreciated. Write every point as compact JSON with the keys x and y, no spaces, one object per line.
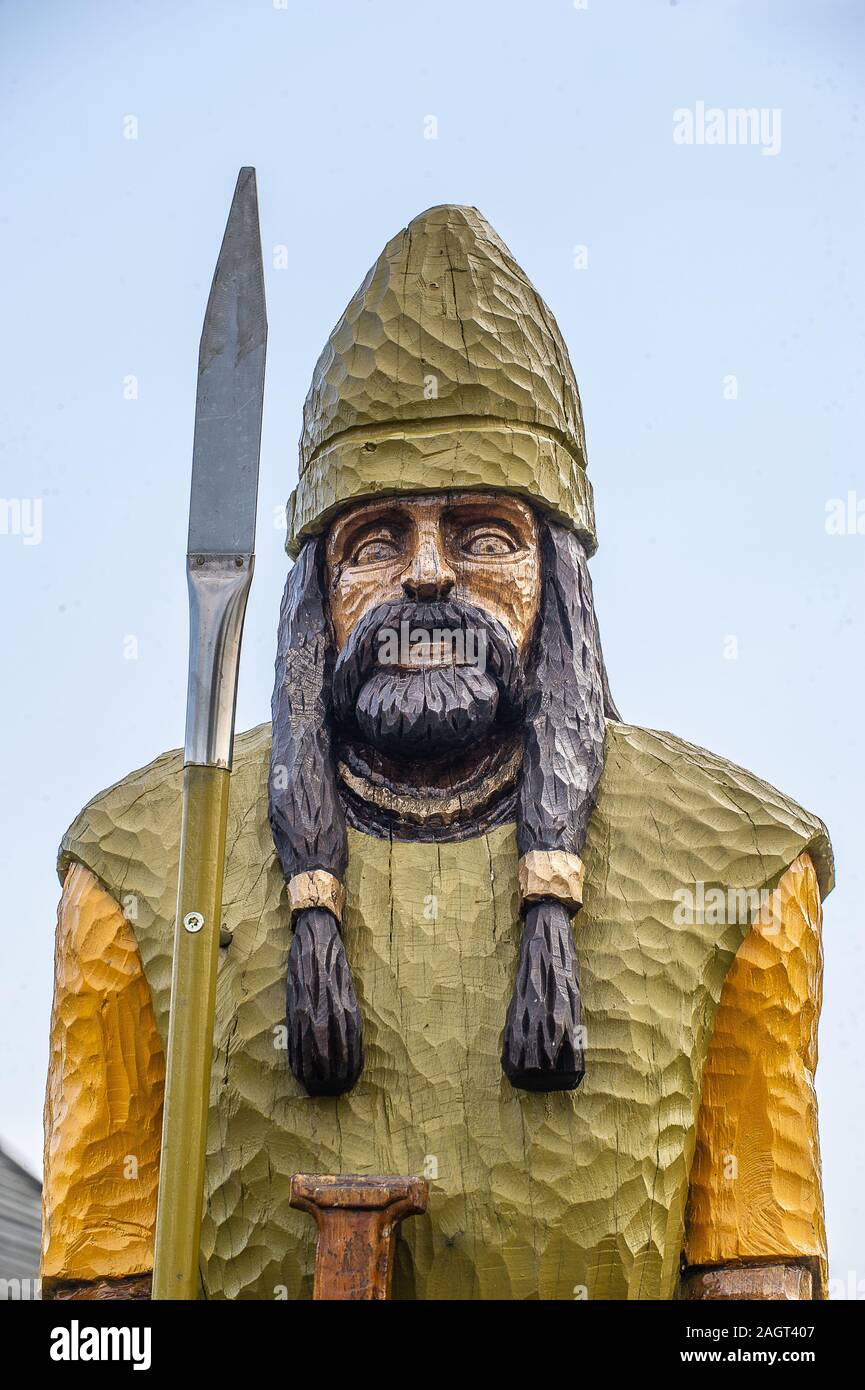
{"x":360,"y":658}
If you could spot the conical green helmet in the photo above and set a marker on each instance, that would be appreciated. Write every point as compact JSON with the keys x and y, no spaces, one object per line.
{"x":446,"y":371}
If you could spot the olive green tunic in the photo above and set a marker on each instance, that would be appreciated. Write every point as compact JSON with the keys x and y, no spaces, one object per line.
{"x":578,"y":1194}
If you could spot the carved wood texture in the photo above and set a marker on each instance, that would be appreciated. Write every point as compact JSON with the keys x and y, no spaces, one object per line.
{"x":433,"y":933}
{"x":442,"y":302}
{"x":103,"y":1102}
{"x":755,"y":1180}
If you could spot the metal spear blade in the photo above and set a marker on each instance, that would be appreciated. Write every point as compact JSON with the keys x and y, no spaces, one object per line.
{"x":230,"y":388}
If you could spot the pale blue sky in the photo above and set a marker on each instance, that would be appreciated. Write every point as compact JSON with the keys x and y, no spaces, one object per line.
{"x":704,"y":262}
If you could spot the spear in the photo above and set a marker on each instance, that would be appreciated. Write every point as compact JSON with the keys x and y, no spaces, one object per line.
{"x":219,"y":564}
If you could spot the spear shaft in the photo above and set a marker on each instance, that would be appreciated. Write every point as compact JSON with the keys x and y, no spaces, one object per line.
{"x":220,"y":562}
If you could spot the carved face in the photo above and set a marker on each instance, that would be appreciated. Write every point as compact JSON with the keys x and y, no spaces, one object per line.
{"x":433,"y":601}
{"x":480,"y":548}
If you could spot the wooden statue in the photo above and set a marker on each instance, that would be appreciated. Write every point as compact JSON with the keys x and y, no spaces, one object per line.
{"x":477,"y":929}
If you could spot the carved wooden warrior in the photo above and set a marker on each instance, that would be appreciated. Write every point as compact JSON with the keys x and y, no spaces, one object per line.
{"x":476,"y":927}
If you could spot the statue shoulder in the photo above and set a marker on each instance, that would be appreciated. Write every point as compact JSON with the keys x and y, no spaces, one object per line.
{"x":678,"y":781}
{"x":137,"y":820}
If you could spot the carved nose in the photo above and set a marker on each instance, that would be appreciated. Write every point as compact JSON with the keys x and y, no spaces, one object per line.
{"x":428,"y":576}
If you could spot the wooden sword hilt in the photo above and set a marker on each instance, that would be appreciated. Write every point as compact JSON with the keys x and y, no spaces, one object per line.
{"x":357,"y":1219}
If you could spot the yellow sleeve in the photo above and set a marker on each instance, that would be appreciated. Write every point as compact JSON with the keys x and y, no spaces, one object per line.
{"x":755,"y":1190}
{"x":103,"y":1102}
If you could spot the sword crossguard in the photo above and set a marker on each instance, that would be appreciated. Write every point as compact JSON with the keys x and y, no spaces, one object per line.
{"x":357,"y":1218}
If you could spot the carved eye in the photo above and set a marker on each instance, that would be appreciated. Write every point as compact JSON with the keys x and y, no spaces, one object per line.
{"x":481,"y":541}
{"x":374,"y":550}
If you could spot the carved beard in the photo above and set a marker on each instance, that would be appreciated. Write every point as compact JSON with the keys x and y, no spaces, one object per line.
{"x":425,"y":710}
